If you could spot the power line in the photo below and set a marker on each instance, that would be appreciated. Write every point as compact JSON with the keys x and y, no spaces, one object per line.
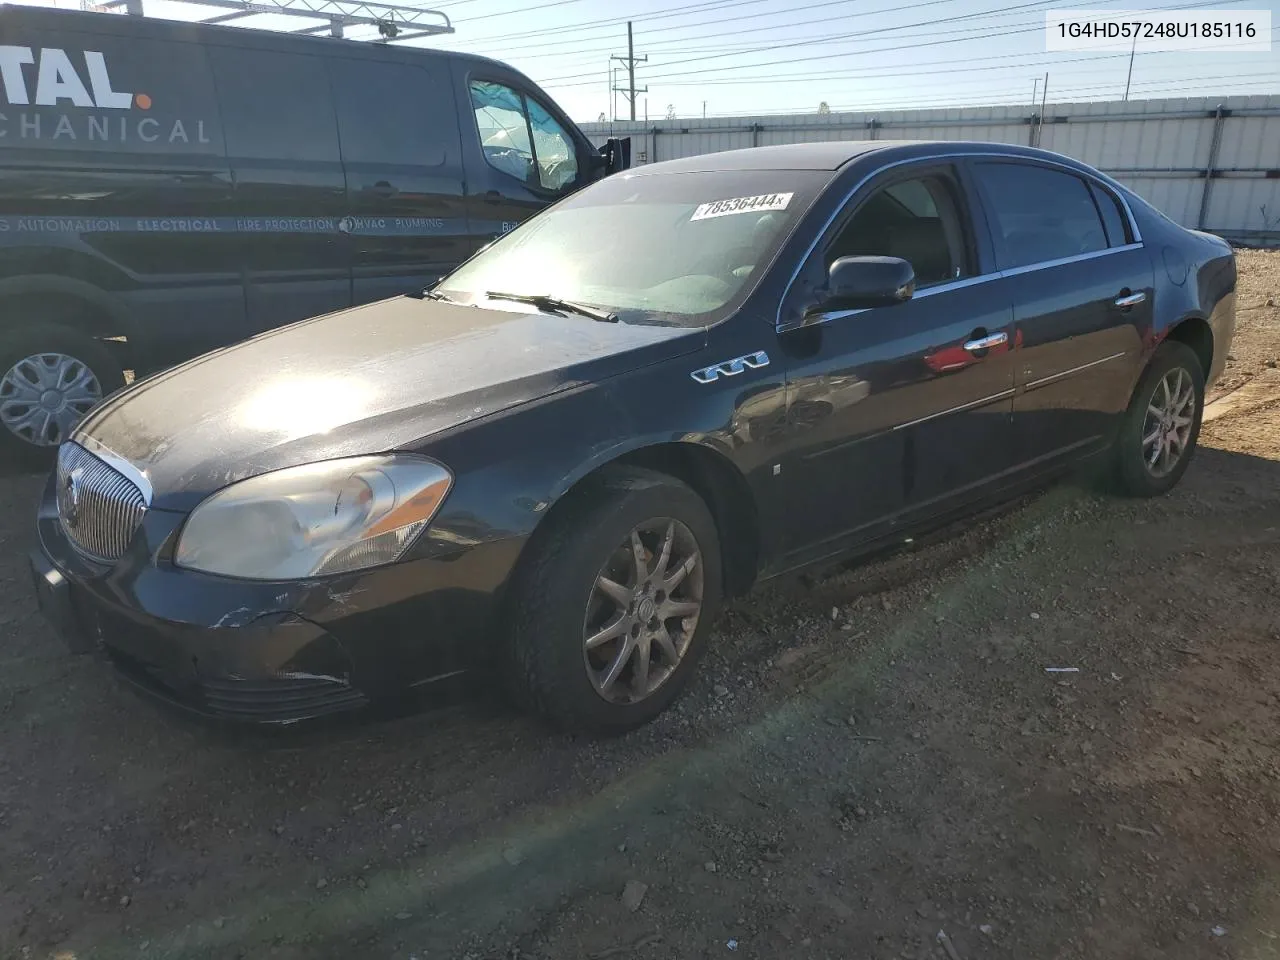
{"x":892,"y":74}
{"x":877,"y":72}
{"x":1010,"y":99}
{"x":844,"y":36}
{"x":685,"y":9}
{"x":819,"y":41}
{"x":552,"y":82}
{"x":507,"y":13}
{"x":750,"y":16}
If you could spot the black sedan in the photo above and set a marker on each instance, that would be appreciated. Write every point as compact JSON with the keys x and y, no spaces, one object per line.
{"x":679,"y":382}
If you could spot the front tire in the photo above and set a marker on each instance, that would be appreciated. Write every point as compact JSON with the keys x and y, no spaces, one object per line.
{"x":50,"y":377}
{"x":1158,"y":435}
{"x":612,"y":611}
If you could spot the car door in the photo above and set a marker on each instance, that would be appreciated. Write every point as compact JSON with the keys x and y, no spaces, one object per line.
{"x":290,"y":193}
{"x":519,"y":152}
{"x":406,"y":218}
{"x":1082,"y":288}
{"x":895,"y":411}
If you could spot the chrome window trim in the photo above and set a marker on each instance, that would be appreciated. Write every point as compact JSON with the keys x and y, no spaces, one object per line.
{"x":958,"y":284}
{"x":120,"y":465}
{"x":782,"y":327}
{"x":1063,"y":261}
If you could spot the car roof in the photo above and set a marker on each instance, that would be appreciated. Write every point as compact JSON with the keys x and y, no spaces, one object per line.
{"x":833,"y":155}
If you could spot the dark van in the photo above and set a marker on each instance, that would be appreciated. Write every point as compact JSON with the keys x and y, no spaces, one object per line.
{"x":167,"y":188}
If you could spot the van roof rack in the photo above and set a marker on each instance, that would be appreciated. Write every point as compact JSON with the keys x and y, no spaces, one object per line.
{"x":395,"y":22}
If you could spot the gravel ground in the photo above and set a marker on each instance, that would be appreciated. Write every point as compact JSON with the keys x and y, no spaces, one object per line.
{"x":873,"y":765}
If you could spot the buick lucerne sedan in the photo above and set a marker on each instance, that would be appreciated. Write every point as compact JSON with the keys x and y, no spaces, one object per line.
{"x":686,"y":379}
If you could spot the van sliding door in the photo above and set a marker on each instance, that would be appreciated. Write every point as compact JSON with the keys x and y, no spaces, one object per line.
{"x":282,"y":144}
{"x":406,"y":217}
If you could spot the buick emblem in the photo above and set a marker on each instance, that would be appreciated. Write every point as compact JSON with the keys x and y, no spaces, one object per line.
{"x":71,"y":501}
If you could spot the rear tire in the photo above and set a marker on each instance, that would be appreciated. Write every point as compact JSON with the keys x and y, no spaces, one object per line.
{"x":569,"y":637}
{"x":1158,"y":435}
{"x":50,"y":377}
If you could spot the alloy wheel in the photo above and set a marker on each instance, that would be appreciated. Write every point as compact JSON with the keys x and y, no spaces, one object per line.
{"x":44,"y":396}
{"x":643,"y":611}
{"x":1166,"y":431}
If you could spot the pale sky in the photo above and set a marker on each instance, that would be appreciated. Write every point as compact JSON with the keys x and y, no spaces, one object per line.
{"x":735,"y":57}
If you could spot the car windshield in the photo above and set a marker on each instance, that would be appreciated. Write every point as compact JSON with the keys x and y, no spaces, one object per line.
{"x":675,"y":248}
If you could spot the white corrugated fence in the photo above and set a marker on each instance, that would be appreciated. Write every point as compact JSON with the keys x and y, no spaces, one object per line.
{"x":1212,"y":163}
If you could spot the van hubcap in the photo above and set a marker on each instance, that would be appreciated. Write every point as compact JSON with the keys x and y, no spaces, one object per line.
{"x":643,"y":611}
{"x":44,"y":396}
{"x":1166,"y":431}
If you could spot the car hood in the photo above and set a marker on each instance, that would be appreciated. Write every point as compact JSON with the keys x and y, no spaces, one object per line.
{"x":370,"y":379}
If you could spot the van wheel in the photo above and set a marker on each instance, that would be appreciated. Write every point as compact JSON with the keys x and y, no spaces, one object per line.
{"x":1159,"y":432}
{"x":50,"y":377}
{"x":611,"y":614}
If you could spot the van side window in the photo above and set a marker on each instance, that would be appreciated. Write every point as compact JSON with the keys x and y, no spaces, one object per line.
{"x":553,"y":149}
{"x":521,"y":138}
{"x":375,"y":125}
{"x":275,"y":106}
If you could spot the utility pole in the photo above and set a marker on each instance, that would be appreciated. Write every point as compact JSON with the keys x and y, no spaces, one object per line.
{"x":704,"y":109}
{"x":1044,"y":98}
{"x":1129,"y":79}
{"x":1035,"y":90}
{"x":631,"y":60}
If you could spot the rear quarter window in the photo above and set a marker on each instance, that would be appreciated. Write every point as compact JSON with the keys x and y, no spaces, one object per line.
{"x":1113,"y":216}
{"x":100,"y":93}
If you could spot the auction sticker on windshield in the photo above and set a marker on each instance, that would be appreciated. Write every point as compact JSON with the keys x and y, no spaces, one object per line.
{"x":722,"y":208}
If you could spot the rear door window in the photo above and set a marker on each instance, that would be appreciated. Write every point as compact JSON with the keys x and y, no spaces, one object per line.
{"x":1039,"y":214}
{"x":275,"y":106}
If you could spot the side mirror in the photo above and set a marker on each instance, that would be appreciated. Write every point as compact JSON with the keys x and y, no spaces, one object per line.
{"x":859,"y":282}
{"x":614,"y":156}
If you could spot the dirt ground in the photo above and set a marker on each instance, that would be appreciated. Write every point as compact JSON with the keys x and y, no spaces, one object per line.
{"x":876,"y":765}
{"x":1257,"y":341}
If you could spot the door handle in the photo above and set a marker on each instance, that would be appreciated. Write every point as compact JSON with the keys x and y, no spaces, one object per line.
{"x":1127,"y":300}
{"x":493,"y":196}
{"x":987,"y":342}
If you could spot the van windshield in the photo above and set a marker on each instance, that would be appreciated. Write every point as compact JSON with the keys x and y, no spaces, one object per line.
{"x":677,"y":248}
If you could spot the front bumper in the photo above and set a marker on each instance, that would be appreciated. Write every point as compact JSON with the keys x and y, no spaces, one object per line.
{"x":276,"y":652}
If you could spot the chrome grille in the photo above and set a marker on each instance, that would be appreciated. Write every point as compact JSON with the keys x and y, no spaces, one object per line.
{"x":100,"y":508}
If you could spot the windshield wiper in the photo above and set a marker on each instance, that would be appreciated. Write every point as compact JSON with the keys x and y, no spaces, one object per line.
{"x":433,"y":295}
{"x":548,"y":303}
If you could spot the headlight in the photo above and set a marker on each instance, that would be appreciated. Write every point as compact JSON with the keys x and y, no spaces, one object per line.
{"x":318,"y":519}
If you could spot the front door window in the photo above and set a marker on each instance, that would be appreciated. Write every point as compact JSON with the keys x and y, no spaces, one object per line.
{"x":520,"y":138}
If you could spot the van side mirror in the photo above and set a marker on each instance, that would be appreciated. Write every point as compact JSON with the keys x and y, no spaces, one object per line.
{"x":614,"y":156}
{"x":859,"y":282}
